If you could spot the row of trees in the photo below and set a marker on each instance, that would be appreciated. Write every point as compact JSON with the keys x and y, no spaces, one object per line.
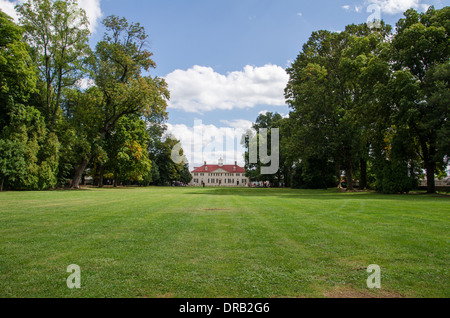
{"x":370,"y":103}
{"x":53,"y":128}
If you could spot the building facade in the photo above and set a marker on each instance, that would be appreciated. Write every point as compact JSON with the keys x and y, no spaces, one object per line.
{"x":219,"y":175}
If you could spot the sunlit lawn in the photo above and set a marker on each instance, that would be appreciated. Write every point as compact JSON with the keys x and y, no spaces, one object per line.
{"x":195,"y":242}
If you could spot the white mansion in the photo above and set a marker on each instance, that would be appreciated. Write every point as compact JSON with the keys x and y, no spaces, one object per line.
{"x":219,"y":175}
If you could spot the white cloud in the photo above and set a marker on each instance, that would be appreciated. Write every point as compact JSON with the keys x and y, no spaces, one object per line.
{"x":240,"y":124}
{"x":300,"y":14}
{"x":92,"y":8}
{"x":85,"y":83}
{"x":398,"y":6}
{"x":354,"y":8}
{"x":346,"y":7}
{"x":201,"y":89}
{"x":8,"y":8}
{"x":93,"y":12}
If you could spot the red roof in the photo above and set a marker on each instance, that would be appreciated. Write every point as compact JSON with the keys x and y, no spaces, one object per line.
{"x":212,"y":168}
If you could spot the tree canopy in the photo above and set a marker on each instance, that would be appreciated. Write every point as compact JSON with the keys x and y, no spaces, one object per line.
{"x":54,"y":131}
{"x":369,"y":107}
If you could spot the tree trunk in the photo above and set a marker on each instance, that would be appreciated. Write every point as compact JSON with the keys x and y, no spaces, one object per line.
{"x":363,"y":181}
{"x":1,"y":184}
{"x":101,"y":172}
{"x":338,"y":174}
{"x":412,"y":175}
{"x":79,"y":173}
{"x":349,"y":177}
{"x":116,"y":181}
{"x":431,"y":184}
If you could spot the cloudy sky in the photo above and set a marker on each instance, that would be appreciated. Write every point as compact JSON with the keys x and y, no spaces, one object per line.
{"x":225,"y":60}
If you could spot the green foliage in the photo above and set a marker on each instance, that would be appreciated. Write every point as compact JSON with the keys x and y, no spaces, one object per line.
{"x":58,"y":33}
{"x":394,"y":178}
{"x":372,"y":102}
{"x":29,"y":153}
{"x":420,"y":89}
{"x":253,"y":139}
{"x":314,"y":173}
{"x":126,"y":148}
{"x":328,"y":94}
{"x":160,"y":152}
{"x":185,"y":174}
{"x":120,"y":91}
{"x":12,"y":162}
{"x":118,"y":63}
{"x":365,"y":101}
{"x":17,"y":74}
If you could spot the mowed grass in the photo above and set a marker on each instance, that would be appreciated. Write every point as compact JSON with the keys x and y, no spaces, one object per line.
{"x":195,"y":242}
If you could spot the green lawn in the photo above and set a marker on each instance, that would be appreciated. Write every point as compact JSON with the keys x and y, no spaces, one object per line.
{"x":195,"y":242}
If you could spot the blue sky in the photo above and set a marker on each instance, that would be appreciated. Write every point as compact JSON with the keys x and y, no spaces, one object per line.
{"x":228,"y":35}
{"x":224,"y":60}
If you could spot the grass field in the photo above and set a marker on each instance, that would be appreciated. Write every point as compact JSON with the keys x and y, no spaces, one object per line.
{"x":253,"y":243}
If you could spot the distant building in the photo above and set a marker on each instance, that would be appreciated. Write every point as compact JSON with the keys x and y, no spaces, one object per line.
{"x":219,"y":175}
{"x":438,"y":183}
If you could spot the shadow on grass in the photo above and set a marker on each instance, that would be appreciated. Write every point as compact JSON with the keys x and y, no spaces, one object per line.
{"x":331,"y":194}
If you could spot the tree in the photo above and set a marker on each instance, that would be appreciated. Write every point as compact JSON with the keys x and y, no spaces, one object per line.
{"x":364,"y":63}
{"x":185,"y":175}
{"x":12,"y":161}
{"x":160,"y":153}
{"x":328,"y":94}
{"x":120,"y":90}
{"x":420,"y":53}
{"x":127,"y":153}
{"x":267,"y":121}
{"x":58,"y":33}
{"x":319,"y":100}
{"x":28,"y":152}
{"x":17,"y":73}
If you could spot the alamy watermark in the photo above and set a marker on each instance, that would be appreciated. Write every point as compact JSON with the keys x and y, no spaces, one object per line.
{"x":74,"y":280}
{"x":374,"y":19}
{"x":223,"y":141}
{"x":374,"y":280}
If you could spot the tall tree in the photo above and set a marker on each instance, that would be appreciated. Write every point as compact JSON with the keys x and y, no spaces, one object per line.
{"x":17,"y":72}
{"x":327,"y":93}
{"x":166,"y":170}
{"x":421,"y":51}
{"x":59,"y":35}
{"x":319,"y":100}
{"x":267,"y":121}
{"x":121,"y":89}
{"x":126,"y":148}
{"x":28,"y":152}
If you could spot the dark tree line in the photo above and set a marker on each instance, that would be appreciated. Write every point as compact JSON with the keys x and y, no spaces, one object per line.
{"x":369,"y":104}
{"x":53,"y":129}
